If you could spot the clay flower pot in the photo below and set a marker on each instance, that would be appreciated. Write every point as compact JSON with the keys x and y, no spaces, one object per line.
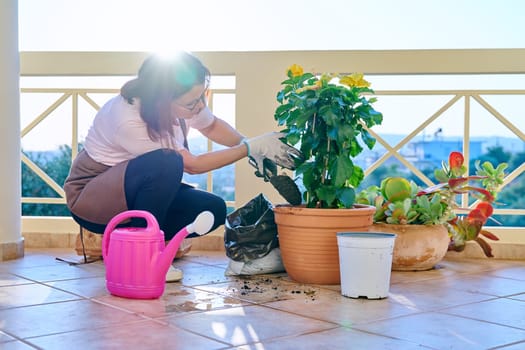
{"x":417,"y":247}
{"x":308,"y":239}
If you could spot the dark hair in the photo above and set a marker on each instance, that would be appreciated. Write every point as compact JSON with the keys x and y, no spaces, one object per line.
{"x":158,"y":82}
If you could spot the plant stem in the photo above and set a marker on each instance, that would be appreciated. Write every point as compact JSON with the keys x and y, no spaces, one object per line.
{"x":326,"y":159}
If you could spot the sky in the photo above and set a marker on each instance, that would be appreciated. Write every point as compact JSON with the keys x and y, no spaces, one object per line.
{"x":247,"y":25}
{"x":209,"y":25}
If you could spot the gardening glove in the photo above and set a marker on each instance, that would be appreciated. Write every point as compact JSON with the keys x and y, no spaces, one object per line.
{"x":269,"y":169}
{"x":270,"y":146}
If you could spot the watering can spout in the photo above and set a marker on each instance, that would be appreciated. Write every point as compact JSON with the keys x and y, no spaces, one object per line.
{"x":202,"y":224}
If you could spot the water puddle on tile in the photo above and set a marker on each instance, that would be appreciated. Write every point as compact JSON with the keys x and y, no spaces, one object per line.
{"x":207,"y":304}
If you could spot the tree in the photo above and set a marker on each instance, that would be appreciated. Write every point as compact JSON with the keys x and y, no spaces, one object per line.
{"x":517,"y":160}
{"x":56,"y":165}
{"x":512,"y":195}
{"x":495,"y":155}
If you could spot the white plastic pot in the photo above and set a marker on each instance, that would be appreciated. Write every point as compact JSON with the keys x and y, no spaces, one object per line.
{"x":365,"y":263}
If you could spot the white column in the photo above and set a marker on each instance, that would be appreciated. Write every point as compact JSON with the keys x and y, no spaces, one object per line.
{"x":11,"y":240}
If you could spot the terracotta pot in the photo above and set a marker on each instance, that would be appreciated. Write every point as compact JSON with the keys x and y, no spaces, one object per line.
{"x":308,"y":239}
{"x":417,"y":247}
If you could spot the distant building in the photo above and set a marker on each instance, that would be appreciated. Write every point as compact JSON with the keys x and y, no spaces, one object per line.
{"x":430,"y":153}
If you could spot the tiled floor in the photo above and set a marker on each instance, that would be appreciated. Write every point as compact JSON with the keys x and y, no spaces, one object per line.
{"x":464,"y":304}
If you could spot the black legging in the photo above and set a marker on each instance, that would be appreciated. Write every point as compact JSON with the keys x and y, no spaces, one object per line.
{"x":152,"y":182}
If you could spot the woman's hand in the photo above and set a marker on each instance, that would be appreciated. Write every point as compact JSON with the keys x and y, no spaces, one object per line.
{"x":271,"y":147}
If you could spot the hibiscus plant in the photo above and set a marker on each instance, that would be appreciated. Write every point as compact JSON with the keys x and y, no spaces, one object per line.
{"x":327,"y":117}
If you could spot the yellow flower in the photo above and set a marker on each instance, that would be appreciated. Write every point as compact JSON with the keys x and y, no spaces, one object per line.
{"x":355,"y":79}
{"x":296,"y":70}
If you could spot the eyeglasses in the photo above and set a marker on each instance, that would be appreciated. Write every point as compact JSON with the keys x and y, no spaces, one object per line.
{"x":191,"y":106}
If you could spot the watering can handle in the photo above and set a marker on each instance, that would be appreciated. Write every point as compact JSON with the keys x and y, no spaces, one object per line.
{"x":151,"y":222}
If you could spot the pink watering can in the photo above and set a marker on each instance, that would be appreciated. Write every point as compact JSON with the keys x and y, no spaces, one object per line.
{"x":137,"y":258}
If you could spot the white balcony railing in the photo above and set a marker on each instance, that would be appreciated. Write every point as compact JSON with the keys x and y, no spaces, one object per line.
{"x":257,"y":79}
{"x":73,"y":96}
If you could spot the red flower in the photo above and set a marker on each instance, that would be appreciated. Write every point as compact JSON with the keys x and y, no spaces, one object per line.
{"x":455,"y":160}
{"x":485,"y":208}
{"x":480,"y":213}
{"x":476,"y":216}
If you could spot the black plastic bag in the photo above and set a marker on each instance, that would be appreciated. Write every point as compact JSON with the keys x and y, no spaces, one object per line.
{"x":251,"y":232}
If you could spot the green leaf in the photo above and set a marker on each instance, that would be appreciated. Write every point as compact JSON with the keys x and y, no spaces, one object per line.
{"x":342,"y":170}
{"x":376,"y":118}
{"x":307,"y":145}
{"x":355,"y":148}
{"x":345,"y":132}
{"x":281,"y":112}
{"x":328,"y":115}
{"x":292,"y":116}
{"x":293,"y":137}
{"x":440,"y":175}
{"x":281,"y":95}
{"x":346,"y":196}
{"x":306,"y":76}
{"x":302,"y":118}
{"x":326,"y":194}
{"x":288,"y":82}
{"x":357,"y":176}
{"x":310,"y":176}
{"x":368,"y":139}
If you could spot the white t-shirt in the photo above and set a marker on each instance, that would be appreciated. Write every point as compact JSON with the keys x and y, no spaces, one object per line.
{"x":118,"y":132}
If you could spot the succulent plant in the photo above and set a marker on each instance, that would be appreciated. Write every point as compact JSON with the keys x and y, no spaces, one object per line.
{"x":399,"y":201}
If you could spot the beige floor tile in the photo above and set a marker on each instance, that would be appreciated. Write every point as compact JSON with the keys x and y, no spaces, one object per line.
{"x":516,"y":272}
{"x":5,"y":337}
{"x":248,"y":324}
{"x":7,"y":279}
{"x":335,"y":339}
{"x":441,"y":331}
{"x":506,"y":312}
{"x":59,"y":271}
{"x":518,"y":297}
{"x":86,"y":287}
{"x":15,"y":345}
{"x":478,"y":283}
{"x":33,"y":258}
{"x":440,"y":271}
{"x":461,"y":304}
{"x":31,"y":294}
{"x":138,"y":335}
{"x":477,"y":265}
{"x":516,"y":346}
{"x":425,"y":297}
{"x":331,"y":306}
{"x":38,"y":320}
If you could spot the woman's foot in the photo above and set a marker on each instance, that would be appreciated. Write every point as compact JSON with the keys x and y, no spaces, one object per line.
{"x":173,"y":275}
{"x":184,"y":248}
